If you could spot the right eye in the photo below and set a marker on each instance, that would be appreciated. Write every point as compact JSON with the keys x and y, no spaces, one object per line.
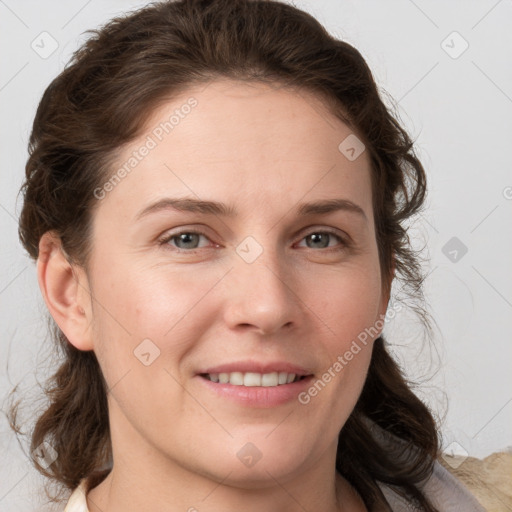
{"x":187,"y":239}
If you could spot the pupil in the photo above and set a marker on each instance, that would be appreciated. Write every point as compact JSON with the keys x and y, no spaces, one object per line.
{"x":186,"y":237}
{"x":318,"y":237}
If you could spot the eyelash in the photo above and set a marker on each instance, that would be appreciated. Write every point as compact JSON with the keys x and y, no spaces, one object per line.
{"x":166,"y":239}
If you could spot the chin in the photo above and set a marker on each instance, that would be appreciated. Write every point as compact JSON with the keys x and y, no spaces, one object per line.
{"x":261,"y":475}
{"x":251,"y":465}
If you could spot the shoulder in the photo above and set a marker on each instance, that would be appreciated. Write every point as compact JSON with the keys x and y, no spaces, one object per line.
{"x":442,"y":488}
{"x":489,"y":479}
{"x":444,"y":491}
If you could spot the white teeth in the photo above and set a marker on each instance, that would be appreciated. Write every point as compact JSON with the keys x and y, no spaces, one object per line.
{"x":290,"y":378}
{"x":251,"y":379}
{"x":283,"y":377}
{"x":236,"y":378}
{"x":270,"y":379}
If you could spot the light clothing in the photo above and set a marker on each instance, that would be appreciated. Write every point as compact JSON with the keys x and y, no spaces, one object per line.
{"x":77,"y":501}
{"x":445,"y":492}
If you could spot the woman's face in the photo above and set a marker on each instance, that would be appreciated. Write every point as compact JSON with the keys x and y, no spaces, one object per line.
{"x":270,"y":287}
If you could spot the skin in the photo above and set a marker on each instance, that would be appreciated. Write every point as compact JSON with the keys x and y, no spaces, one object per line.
{"x":264,"y":150}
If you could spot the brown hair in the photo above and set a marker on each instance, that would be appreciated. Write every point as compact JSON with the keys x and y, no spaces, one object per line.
{"x":101,"y":101}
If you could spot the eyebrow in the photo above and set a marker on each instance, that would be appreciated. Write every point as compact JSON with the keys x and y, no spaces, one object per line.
{"x":321,"y":207}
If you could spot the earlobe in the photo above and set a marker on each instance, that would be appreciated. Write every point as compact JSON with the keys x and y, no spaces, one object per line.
{"x":63,"y":292}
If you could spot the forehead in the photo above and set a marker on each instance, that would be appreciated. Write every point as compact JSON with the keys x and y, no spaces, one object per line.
{"x":259,"y":144}
{"x":253,"y":115}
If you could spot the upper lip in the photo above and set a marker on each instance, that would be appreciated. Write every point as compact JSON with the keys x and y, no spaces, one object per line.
{"x":257,"y":367}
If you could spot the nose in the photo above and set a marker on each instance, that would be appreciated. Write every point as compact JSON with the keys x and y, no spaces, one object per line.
{"x":260,"y":296}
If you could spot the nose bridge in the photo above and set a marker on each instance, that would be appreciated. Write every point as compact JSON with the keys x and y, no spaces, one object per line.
{"x":261,"y":292}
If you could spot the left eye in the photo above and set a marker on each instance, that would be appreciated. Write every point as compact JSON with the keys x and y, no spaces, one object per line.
{"x":187,"y":240}
{"x":323,"y":238}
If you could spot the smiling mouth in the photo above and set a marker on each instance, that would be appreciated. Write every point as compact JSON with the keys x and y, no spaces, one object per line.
{"x":252,"y":379}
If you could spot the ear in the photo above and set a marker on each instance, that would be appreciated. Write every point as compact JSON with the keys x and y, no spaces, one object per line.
{"x":65,"y":290}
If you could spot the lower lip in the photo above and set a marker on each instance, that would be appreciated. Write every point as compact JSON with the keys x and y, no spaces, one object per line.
{"x":258,"y":396}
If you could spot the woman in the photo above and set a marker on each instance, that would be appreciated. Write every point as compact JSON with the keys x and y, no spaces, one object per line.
{"x":183,"y":169}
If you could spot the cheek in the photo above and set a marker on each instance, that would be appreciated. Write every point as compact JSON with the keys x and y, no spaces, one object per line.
{"x":349,"y":307}
{"x":147,"y":302}
{"x":347,"y":301}
{"x":153,"y":311}
{"x":144,"y":328}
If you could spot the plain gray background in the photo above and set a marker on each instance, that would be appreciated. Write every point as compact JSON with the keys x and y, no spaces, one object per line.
{"x":448,"y":65}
